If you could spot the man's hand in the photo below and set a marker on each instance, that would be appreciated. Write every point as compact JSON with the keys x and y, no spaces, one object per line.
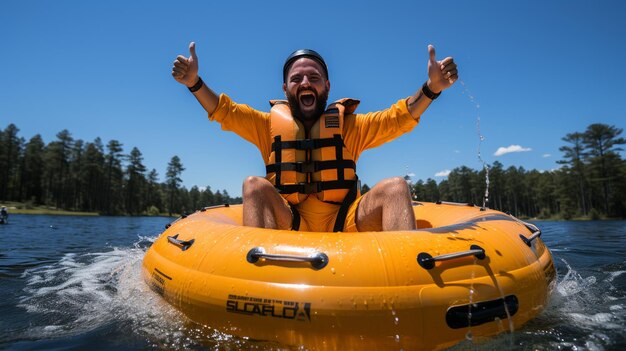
{"x":441,"y":74}
{"x":185,"y":69}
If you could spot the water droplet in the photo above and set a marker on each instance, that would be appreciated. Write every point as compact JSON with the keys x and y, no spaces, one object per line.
{"x":396,"y":320}
{"x":397,"y":338}
{"x":469,"y":336}
{"x":332,"y":270}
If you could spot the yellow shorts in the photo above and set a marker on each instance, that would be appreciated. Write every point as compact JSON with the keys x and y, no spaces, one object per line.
{"x":319,"y":216}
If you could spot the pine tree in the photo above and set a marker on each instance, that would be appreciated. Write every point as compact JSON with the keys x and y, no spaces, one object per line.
{"x":136,"y":183}
{"x":573,"y":158}
{"x":114,"y":178}
{"x":601,"y":141}
{"x":9,"y":156}
{"x":33,"y":169}
{"x":173,"y":181}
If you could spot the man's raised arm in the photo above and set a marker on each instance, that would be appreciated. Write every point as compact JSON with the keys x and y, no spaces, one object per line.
{"x":185,"y":71}
{"x":441,"y":75}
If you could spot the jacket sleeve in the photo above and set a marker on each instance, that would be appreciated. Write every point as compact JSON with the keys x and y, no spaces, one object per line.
{"x":369,"y":130}
{"x":243,"y":120}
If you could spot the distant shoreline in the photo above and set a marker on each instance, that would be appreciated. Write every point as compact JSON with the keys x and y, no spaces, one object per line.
{"x":50,"y":212}
{"x":19,"y":208}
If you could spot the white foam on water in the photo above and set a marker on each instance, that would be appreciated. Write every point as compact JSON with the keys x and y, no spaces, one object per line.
{"x":586,"y":305}
{"x":613,"y":275}
{"x":572,"y":283}
{"x":594,"y":321}
{"x":584,"y":313}
{"x":83,"y":292}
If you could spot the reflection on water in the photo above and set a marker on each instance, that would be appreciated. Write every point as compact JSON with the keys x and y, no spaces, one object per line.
{"x":80,"y":287}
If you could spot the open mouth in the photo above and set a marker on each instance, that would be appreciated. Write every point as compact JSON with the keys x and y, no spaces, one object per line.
{"x":307,"y":99}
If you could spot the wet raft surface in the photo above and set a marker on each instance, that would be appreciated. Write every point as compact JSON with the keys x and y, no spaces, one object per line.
{"x":465,"y":268}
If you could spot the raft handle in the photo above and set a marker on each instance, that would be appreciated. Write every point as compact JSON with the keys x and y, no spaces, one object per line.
{"x":528,"y":241}
{"x":318,"y":260}
{"x":455,"y":203}
{"x":427,"y":261}
{"x":536,"y":232}
{"x":184,"y":245}
{"x":203,"y":209}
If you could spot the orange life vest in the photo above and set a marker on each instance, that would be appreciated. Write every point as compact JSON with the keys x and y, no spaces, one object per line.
{"x":320,"y":165}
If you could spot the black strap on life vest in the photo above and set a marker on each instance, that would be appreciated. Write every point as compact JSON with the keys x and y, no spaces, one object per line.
{"x":304,"y":144}
{"x":315,"y":187}
{"x":312,"y":166}
{"x":295,"y":218}
{"x":277,"y":158}
{"x":340,"y":221}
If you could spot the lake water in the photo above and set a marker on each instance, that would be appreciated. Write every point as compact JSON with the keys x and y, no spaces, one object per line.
{"x":74,"y":283}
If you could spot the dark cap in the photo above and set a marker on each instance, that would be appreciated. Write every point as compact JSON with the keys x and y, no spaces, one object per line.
{"x":308,"y":53}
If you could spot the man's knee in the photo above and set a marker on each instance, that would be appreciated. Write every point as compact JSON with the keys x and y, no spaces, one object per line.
{"x":395,"y":186}
{"x":254,"y":186}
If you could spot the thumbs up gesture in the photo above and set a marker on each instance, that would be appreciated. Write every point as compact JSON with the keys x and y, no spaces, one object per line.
{"x":185,"y":69}
{"x":441,"y":74}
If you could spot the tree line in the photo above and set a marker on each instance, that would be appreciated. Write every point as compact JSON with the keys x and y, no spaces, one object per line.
{"x":591,"y":181}
{"x":71,"y":174}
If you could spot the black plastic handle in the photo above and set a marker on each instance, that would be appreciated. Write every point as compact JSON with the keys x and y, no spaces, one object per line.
{"x":535,"y":234}
{"x":184,"y":245}
{"x":426,"y":261}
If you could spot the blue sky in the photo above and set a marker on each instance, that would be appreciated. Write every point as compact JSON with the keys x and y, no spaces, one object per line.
{"x":537,"y":69}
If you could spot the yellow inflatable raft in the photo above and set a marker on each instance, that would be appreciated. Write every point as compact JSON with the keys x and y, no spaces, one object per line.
{"x":465,"y":269}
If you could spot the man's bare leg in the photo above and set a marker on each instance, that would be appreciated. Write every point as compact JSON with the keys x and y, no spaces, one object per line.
{"x":263,"y":207}
{"x":387,"y":206}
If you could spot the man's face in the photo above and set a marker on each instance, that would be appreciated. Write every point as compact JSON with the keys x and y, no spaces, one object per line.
{"x":306,"y":89}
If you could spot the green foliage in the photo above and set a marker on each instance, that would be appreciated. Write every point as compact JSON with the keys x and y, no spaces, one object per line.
{"x":152,"y":211}
{"x":30,"y":204}
{"x":591,"y":181}
{"x":73,"y":175}
{"x":594,"y":214}
{"x":364,"y":189}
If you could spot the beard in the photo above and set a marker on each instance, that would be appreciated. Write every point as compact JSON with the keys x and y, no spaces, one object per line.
{"x":320,"y":105}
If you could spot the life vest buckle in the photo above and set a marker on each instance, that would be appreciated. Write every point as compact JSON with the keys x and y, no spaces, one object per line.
{"x":305,"y":167}
{"x":306,"y":144}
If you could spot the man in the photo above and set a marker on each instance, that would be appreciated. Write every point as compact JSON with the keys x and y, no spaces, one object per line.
{"x":310,"y":151}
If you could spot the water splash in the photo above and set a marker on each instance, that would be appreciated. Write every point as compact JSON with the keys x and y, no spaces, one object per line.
{"x":584,"y":313}
{"x":469,"y":336}
{"x":593,"y":308}
{"x":572,"y":283}
{"x":81,"y":293}
{"x":481,"y":138}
